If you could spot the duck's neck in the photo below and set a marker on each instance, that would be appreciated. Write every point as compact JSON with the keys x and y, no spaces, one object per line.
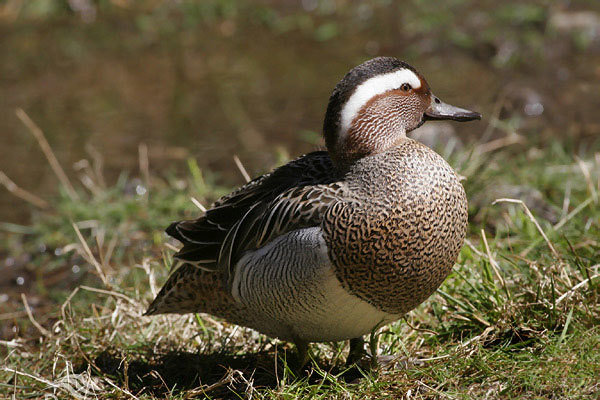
{"x":363,"y":140}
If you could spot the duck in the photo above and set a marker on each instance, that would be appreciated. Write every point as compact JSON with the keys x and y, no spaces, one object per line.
{"x":337,"y":243}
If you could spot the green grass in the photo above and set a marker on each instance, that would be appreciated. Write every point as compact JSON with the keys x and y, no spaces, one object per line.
{"x":517,"y":318}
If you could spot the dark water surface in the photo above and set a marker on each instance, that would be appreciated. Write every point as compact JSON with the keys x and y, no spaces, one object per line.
{"x":236,"y":87}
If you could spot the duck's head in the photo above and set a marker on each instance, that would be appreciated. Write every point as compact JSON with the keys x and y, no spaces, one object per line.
{"x":376,"y":104}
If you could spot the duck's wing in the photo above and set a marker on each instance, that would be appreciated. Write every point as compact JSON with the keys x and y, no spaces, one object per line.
{"x":216,"y":238}
{"x":296,"y":208}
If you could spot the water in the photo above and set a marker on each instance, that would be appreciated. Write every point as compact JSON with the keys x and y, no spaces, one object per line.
{"x":233,"y":87}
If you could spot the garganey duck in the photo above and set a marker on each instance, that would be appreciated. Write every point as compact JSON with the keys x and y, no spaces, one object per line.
{"x":335,"y":243}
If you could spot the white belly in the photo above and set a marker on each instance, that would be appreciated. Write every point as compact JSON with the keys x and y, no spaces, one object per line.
{"x":290,"y":291}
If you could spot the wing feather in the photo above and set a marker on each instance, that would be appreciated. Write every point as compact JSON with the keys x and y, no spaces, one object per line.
{"x":216,"y":237}
{"x":296,"y":208}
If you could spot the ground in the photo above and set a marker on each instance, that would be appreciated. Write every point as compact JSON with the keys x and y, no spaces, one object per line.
{"x":518,"y":316}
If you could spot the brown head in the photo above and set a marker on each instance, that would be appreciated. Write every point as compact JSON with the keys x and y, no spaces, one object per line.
{"x":376,"y":104}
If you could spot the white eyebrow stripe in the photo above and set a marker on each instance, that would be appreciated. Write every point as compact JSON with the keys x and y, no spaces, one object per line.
{"x":373,"y":87}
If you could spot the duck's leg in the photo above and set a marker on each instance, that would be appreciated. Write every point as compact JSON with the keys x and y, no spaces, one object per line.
{"x":302,"y":352}
{"x":357,"y":350}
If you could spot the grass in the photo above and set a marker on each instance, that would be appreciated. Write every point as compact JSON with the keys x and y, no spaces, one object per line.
{"x":518,"y":317}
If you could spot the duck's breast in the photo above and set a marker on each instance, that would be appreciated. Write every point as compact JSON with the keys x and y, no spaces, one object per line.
{"x":396,"y":244}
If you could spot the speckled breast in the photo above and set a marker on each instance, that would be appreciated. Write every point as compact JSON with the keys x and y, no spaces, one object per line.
{"x":395,"y":245}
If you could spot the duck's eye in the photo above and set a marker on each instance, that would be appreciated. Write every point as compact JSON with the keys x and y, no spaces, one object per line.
{"x":405,"y":87}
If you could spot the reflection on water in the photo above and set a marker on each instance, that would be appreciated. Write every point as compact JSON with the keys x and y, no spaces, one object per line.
{"x":249,"y":89}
